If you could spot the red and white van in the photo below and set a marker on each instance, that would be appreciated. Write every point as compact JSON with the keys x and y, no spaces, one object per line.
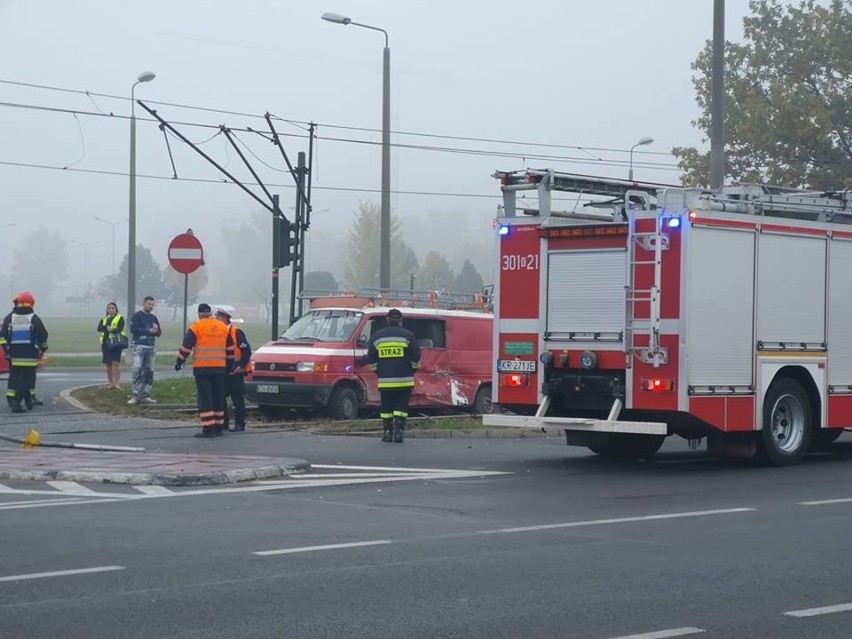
{"x":312,"y":366}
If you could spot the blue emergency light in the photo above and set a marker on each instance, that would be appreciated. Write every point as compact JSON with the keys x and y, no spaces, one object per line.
{"x":674,"y":222}
{"x":503,"y":230}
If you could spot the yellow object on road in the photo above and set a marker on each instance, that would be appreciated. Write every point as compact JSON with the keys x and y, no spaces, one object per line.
{"x":32,"y":439}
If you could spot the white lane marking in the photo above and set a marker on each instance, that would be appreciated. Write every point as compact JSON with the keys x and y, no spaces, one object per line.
{"x":57,"y":502}
{"x":618,"y":520}
{"x":824,"y":502}
{"x":395,"y":469}
{"x":337,"y":476}
{"x":825,"y":610}
{"x":156,"y":491}
{"x":290,"y":551}
{"x":71,"y":488}
{"x":664,"y":634}
{"x":61,"y":573}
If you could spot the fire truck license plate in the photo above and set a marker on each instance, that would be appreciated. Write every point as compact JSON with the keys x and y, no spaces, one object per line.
{"x":267,"y":388}
{"x":516,"y":366}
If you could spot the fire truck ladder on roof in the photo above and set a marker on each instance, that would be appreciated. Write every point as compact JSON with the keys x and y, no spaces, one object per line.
{"x":544,"y":182}
{"x":407,"y":298}
{"x":654,"y":241}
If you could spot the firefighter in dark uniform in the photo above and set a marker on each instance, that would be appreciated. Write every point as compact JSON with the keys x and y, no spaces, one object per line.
{"x":212,"y":358}
{"x":235,"y":382}
{"x":395,"y":355}
{"x":24,"y":341}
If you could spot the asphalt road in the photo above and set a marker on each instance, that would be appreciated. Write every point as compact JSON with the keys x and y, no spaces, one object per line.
{"x":559,"y":544}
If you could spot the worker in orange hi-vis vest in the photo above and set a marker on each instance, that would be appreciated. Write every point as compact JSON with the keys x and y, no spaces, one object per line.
{"x":212,"y":349}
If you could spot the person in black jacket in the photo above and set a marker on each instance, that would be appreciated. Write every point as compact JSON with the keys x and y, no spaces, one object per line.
{"x":235,"y":381}
{"x":24,"y":341}
{"x":395,"y":355}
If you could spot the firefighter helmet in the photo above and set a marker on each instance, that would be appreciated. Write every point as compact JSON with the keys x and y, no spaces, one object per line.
{"x":24,"y":298}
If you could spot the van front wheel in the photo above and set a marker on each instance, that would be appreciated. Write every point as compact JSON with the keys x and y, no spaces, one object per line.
{"x":343,"y":404}
{"x":482,"y":404}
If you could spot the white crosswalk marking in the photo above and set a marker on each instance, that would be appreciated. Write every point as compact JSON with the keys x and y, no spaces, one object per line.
{"x":62,"y":493}
{"x":161,"y":491}
{"x":71,"y":488}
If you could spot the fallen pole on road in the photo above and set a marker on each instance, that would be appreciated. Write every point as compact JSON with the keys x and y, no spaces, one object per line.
{"x":34,"y":439}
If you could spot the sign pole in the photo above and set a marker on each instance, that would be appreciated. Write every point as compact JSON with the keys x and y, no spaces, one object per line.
{"x":185,"y":301}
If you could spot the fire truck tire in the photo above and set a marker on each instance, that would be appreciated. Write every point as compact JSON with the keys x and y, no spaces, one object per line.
{"x":629,"y":446}
{"x":482,"y":404}
{"x":787,"y":424}
{"x":343,"y":404}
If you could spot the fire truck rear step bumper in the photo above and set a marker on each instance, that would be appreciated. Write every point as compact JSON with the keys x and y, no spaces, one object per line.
{"x":610,"y":425}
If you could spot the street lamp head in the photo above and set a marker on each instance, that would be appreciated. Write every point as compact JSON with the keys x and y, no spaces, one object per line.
{"x":644,"y":141}
{"x":336,"y":18}
{"x":146,"y":76}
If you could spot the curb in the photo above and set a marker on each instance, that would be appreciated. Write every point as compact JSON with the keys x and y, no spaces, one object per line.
{"x":66,"y":396}
{"x":281,"y":467}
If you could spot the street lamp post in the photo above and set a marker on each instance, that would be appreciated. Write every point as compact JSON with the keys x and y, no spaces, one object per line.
{"x":641,"y":142}
{"x":145,"y":76}
{"x":113,"y":225}
{"x":385,"y":221}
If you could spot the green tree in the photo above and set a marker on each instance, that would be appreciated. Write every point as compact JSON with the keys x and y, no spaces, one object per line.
{"x":149,"y":280}
{"x":435,"y":273}
{"x":362,"y":263}
{"x":320,"y":281}
{"x":40,"y":265}
{"x":468,"y":280}
{"x":788,"y":98}
{"x":174,"y":282}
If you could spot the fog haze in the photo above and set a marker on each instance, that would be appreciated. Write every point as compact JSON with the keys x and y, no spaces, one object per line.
{"x":598,"y":75}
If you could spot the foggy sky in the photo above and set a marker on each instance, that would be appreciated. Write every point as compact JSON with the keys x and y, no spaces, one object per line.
{"x":572,"y":72}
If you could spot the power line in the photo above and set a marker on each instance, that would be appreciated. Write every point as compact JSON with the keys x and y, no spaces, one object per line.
{"x":418,"y":147}
{"x":149,"y":176}
{"x":302,"y":123}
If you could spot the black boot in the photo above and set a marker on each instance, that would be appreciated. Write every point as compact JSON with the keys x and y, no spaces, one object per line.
{"x":398,"y":429}
{"x":35,"y":401}
{"x":28,"y":402}
{"x":16,"y":407}
{"x":218,"y":431}
{"x":206,"y":432}
{"x":387,"y":425}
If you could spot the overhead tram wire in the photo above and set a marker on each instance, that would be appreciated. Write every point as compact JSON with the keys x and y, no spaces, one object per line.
{"x":398,"y":145}
{"x":302,"y":123}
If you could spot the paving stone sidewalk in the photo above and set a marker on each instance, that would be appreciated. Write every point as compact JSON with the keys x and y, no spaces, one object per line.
{"x":165,"y":469}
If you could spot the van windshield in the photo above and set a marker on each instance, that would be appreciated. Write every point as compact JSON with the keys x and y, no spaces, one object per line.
{"x":324,"y":326}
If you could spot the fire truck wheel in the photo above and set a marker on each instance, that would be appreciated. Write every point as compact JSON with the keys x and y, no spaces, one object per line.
{"x":483,"y":405}
{"x":787,"y":424}
{"x":629,"y":446}
{"x":343,"y":404}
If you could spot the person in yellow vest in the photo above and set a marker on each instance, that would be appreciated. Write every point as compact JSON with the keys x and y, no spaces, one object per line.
{"x":113,"y":342}
{"x":235,"y":382}
{"x":212,"y":352}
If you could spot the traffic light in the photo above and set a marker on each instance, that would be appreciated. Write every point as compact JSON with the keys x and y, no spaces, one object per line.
{"x":286,"y":243}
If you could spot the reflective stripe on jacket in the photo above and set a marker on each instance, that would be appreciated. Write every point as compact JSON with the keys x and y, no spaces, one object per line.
{"x":111,"y":326}
{"x":242,"y":350}
{"x":394,"y":354}
{"x":211,"y":346}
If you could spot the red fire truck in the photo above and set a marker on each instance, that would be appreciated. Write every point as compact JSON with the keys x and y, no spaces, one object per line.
{"x":313,"y":365}
{"x":648,"y":310}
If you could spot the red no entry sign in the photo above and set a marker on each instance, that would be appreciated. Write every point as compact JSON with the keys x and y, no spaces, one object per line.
{"x":185,"y":253}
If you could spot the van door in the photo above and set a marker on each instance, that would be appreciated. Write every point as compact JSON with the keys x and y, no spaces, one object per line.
{"x":432,"y":379}
{"x":368,"y":378}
